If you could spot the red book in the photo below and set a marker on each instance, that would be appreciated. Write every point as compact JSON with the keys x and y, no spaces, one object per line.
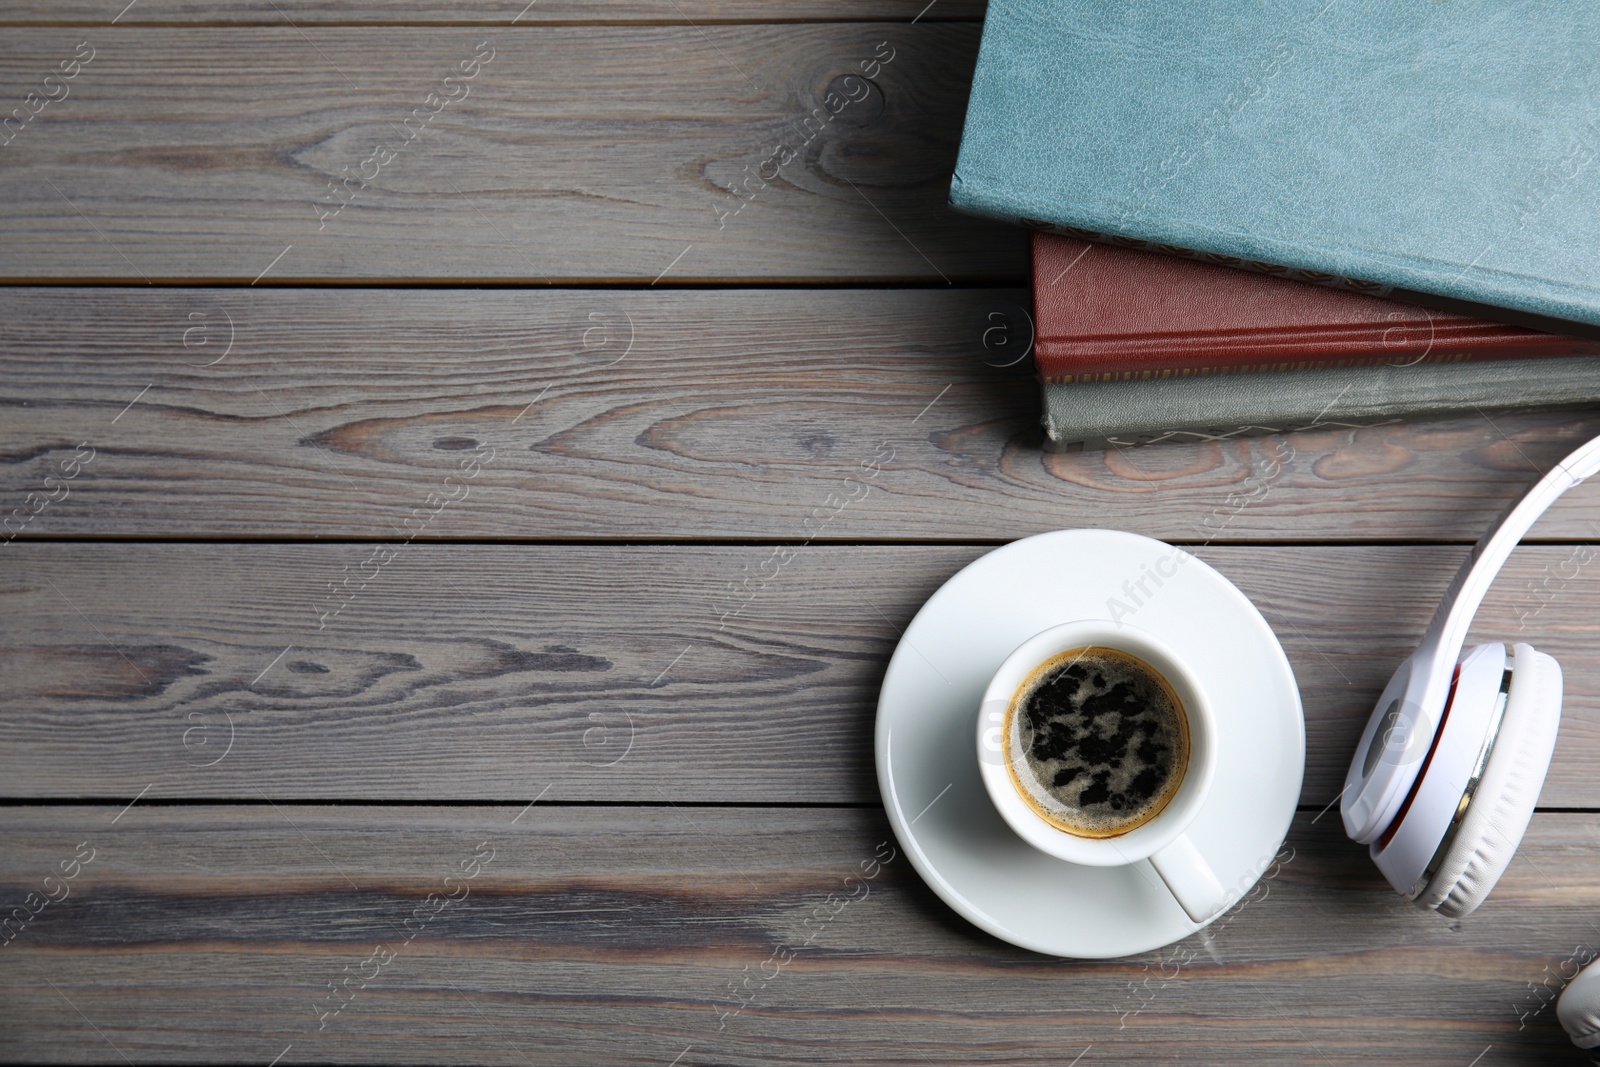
{"x":1105,"y":313}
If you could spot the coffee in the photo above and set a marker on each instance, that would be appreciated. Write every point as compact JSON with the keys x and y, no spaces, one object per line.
{"x":1097,"y":742}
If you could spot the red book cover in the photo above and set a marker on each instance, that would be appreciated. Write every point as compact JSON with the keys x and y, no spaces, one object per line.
{"x":1105,"y":313}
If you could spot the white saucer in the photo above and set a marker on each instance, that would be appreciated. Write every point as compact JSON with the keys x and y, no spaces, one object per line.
{"x":927,"y":723}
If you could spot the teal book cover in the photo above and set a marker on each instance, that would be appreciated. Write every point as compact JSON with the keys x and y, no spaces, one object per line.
{"x":1445,"y":152}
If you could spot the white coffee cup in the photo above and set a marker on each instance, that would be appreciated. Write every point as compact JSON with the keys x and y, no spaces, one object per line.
{"x":1162,"y":839}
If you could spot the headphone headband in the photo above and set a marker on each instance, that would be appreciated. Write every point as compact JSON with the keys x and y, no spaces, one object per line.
{"x":1413,"y":703}
{"x":1448,"y":630}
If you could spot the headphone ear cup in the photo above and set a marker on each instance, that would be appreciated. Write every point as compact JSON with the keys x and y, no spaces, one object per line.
{"x":1498,"y":815}
{"x":1579,"y":1008}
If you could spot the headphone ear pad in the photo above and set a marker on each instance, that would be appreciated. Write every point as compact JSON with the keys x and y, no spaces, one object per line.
{"x":1503,"y":804}
{"x":1579,"y":1008}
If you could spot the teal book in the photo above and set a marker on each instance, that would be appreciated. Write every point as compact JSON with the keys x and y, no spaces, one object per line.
{"x":1443,"y":152}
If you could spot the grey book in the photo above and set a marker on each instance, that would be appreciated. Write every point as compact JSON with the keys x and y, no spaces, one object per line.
{"x":1208,"y":407}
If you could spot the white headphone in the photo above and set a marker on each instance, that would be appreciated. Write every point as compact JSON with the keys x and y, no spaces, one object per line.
{"x":1450,"y":765}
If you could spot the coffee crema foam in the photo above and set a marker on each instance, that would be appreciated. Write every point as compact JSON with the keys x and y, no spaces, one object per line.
{"x":1096,"y":741}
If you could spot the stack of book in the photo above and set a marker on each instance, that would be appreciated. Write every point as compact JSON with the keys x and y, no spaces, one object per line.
{"x":1269,"y":217}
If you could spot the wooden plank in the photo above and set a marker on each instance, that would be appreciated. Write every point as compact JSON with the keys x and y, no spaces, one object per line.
{"x":723,"y":414}
{"x":611,"y":672}
{"x":543,"y":165}
{"x":504,"y":12}
{"x":619,"y":935}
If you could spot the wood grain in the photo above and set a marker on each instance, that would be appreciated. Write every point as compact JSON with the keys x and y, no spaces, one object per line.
{"x":496,"y":451}
{"x":607,"y":672}
{"x":647,"y":415}
{"x":618,"y":935}
{"x":208,"y":153}
{"x":502,"y":12}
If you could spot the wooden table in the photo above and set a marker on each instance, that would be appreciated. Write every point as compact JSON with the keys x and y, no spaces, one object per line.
{"x":389,"y":600}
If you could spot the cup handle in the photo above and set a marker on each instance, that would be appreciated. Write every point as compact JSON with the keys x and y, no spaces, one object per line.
{"x":1190,"y":878}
